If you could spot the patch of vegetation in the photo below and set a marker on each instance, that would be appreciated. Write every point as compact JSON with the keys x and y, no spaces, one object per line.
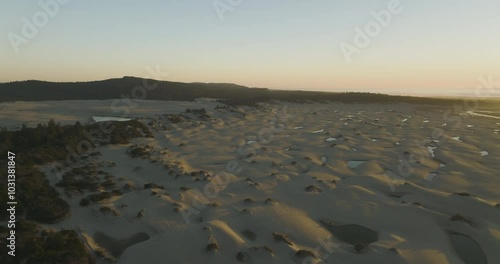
{"x":37,"y":246}
{"x":69,"y":183}
{"x":175,"y":118}
{"x":139,"y":152}
{"x":249,"y":200}
{"x":98,"y":197}
{"x":86,"y":178}
{"x":313,"y":188}
{"x":35,"y":197}
{"x":461,"y":218}
{"x":153,"y":186}
{"x":270,"y":201}
{"x":240,"y":257}
{"x":200,"y":113}
{"x":122,"y":132}
{"x":361,"y":248}
{"x":38,"y":200}
{"x":108,"y":210}
{"x":225,"y":107}
{"x":231,"y":94}
{"x":214,"y":246}
{"x":465,"y":194}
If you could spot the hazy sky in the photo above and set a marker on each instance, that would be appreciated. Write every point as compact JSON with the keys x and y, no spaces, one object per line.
{"x":427,"y":47}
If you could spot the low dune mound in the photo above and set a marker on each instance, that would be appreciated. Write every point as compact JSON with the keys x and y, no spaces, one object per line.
{"x":467,"y":248}
{"x":108,"y":210}
{"x":418,"y":204}
{"x":116,"y":246}
{"x":246,"y":211}
{"x":264,"y":249}
{"x":313,"y":189}
{"x":461,"y":218}
{"x":216,"y":204}
{"x":129,"y":186}
{"x":249,"y":200}
{"x":270,"y":201}
{"x":278,"y":237}
{"x":184,"y":188}
{"x":303,"y":253}
{"x":352,"y":233}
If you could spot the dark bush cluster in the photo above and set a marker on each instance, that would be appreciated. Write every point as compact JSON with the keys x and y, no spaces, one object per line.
{"x":98,"y":197}
{"x":175,"y":118}
{"x":38,"y":246}
{"x":139,"y":152}
{"x":153,"y":186}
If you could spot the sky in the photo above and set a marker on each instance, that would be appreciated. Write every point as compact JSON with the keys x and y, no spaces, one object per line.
{"x":388,"y":46}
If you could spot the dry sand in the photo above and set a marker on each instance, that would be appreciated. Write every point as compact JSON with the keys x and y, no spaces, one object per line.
{"x":318,"y":183}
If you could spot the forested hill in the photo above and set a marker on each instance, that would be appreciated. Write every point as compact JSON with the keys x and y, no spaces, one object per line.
{"x":115,"y":88}
{"x":165,"y":90}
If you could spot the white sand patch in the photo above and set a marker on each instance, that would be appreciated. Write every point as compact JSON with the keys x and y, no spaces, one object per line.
{"x":355,"y":163}
{"x":431,"y":151}
{"x":431,"y":176}
{"x":97,"y":119}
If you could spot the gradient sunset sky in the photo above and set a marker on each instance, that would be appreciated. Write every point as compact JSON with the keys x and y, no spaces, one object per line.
{"x":430,"y":47}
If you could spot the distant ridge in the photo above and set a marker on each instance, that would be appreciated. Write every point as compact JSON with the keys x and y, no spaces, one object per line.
{"x":34,"y":90}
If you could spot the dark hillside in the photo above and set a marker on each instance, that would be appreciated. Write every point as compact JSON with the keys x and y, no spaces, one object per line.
{"x":165,"y":90}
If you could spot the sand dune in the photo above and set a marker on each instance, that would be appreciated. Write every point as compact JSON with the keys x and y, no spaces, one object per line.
{"x":305,"y":183}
